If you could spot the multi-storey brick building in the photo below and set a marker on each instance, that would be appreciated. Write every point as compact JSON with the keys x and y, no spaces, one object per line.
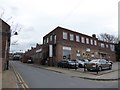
{"x":62,"y":44}
{"x":4,"y":44}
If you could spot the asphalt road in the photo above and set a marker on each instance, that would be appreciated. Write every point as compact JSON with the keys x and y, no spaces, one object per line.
{"x":41,"y":78}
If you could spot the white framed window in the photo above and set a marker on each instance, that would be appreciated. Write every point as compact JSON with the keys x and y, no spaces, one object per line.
{"x":82,"y":39}
{"x":77,"y":38}
{"x":87,"y":41}
{"x":54,"y":39}
{"x":51,"y":38}
{"x":47,"y":40}
{"x":44,"y":41}
{"x":102,"y":45}
{"x":95,"y":42}
{"x":71,"y":37}
{"x":66,"y":52}
{"x":65,"y":35}
{"x":91,"y":41}
{"x":107,"y":46}
{"x":112,"y":47}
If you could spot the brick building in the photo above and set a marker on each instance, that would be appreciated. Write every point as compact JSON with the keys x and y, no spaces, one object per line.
{"x":5,"y":34}
{"x":34,"y":53}
{"x":62,"y":44}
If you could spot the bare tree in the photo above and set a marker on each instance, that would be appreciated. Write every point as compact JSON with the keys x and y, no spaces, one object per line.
{"x":1,"y":15}
{"x":108,"y":38}
{"x":15,"y":28}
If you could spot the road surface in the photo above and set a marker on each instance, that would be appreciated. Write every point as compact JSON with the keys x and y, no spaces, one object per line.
{"x":41,"y":78}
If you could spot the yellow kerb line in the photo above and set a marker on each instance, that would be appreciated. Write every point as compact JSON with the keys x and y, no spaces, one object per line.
{"x":23,"y":81}
{"x":24,"y":85}
{"x":18,"y":77}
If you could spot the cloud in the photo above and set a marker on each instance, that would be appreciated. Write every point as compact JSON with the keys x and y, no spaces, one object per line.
{"x":38,"y":17}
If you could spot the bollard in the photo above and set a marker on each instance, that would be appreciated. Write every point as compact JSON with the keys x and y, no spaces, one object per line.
{"x":75,"y":66}
{"x":84,"y":68}
{"x":97,"y":69}
{"x":7,"y":65}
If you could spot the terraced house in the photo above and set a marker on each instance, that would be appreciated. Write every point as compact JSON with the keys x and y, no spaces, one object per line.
{"x":62,"y":43}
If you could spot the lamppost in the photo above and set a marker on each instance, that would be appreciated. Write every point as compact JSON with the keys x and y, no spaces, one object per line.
{"x":7,"y":48}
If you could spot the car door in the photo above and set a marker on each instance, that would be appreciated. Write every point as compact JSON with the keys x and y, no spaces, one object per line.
{"x":107,"y":64}
{"x":103,"y":63}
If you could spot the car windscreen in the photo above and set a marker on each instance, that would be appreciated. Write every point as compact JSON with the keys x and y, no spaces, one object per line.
{"x":94,"y":61}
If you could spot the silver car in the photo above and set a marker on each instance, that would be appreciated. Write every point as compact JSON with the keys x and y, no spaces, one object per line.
{"x":82,"y":62}
{"x":98,"y":64}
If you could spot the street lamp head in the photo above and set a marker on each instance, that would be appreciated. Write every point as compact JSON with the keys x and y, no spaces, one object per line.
{"x":16,"y":33}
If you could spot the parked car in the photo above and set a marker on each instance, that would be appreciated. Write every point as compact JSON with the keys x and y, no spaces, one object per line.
{"x":30,"y":61}
{"x":82,"y":62}
{"x":98,"y":64}
{"x":68,"y":64}
{"x":109,"y":61}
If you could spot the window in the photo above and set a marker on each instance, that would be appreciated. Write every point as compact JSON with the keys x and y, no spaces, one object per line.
{"x":51,"y":38}
{"x":71,"y":37}
{"x":55,"y":39}
{"x":47,"y":40}
{"x":112,"y":47}
{"x":66,"y":53}
{"x":91,"y":41}
{"x":77,"y":38}
{"x":65,"y":35}
{"x":82,"y":40}
{"x":107,"y":46}
{"x":87,"y":41}
{"x":102,"y":45}
{"x":95,"y":42}
{"x":44,"y":41}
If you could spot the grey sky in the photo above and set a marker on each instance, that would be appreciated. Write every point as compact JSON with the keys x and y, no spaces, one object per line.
{"x":38,"y":17}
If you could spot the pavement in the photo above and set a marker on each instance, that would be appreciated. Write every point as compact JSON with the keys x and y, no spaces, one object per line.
{"x":0,"y":73}
{"x":9,"y":79}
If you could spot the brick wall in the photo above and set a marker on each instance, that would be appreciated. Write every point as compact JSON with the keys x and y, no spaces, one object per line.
{"x":4,"y":42}
{"x":94,"y":49}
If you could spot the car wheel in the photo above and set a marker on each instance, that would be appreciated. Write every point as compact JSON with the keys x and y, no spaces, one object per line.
{"x":110,"y":67}
{"x":100,"y":68}
{"x":88,"y":69}
{"x":80,"y":65}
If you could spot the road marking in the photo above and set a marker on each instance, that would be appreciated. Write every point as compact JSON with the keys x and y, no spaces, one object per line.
{"x":20,"y":79}
{"x":23,"y":81}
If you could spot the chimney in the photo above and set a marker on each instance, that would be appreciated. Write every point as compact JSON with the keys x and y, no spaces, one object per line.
{"x":31,"y":48}
{"x":94,"y":35}
{"x":37,"y":44}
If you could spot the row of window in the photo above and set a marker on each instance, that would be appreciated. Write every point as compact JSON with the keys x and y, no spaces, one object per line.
{"x":49,"y":39}
{"x":112,"y":47}
{"x":83,"y":39}
{"x":92,"y":42}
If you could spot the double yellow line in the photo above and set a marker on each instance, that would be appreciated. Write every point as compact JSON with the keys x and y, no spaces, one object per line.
{"x":20,"y":80}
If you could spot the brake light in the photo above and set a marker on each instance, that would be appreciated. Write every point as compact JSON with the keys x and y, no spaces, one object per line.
{"x":93,"y":65}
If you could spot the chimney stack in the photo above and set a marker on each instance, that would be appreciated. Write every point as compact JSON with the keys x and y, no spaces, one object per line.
{"x":94,"y":35}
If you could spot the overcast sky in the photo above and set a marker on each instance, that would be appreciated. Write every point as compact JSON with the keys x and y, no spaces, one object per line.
{"x":39,"y":17}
